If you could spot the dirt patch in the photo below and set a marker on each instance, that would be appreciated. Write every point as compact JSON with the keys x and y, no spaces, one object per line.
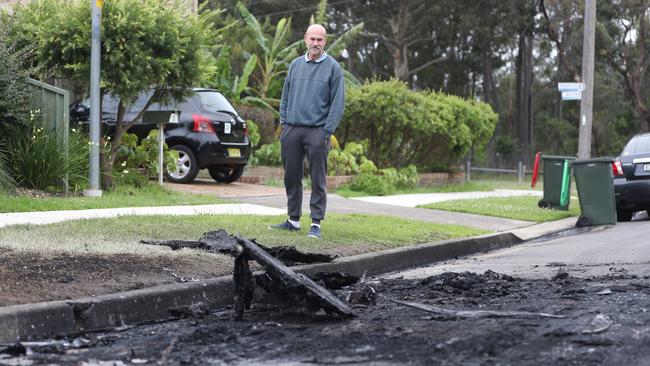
{"x":32,"y":277}
{"x":29,"y":277}
{"x":605,"y":322}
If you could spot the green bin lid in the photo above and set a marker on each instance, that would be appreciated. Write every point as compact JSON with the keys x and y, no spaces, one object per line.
{"x":605,"y":159}
{"x":556,"y":157}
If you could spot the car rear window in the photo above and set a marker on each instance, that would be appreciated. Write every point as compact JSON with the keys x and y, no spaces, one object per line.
{"x":213,"y":102}
{"x":639,"y":144}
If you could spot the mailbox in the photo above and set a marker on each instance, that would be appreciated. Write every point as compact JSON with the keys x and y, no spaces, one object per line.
{"x":154,"y":117}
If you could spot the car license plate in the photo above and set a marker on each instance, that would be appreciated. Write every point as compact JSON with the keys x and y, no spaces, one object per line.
{"x":646,"y":167}
{"x":227,"y":128}
{"x":234,"y":153}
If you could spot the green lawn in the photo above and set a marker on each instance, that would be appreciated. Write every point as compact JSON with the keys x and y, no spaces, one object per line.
{"x":518,"y":208}
{"x":473,"y":186}
{"x":151,"y":195}
{"x":341,"y":233}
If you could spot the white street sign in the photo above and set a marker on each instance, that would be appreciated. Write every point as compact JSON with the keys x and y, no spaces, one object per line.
{"x":570,"y":87}
{"x":572,"y":95}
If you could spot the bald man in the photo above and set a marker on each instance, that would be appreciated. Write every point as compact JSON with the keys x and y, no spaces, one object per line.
{"x":312,"y":104}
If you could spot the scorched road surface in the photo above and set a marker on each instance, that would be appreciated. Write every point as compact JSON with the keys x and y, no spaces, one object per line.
{"x":605,"y":322}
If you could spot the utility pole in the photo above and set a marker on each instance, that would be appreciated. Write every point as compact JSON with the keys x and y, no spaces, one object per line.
{"x":587,"y":101}
{"x":94,"y":189}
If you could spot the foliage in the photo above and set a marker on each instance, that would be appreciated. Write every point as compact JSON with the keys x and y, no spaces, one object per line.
{"x":349,"y":160}
{"x":273,"y":57}
{"x":6,"y":181}
{"x":137,"y":161}
{"x":39,"y":159}
{"x":268,"y":154}
{"x":372,"y":184}
{"x":264,"y":120}
{"x":14,"y":98}
{"x":253,"y":133}
{"x":405,"y":127}
{"x":14,"y":89}
{"x":385,"y":181}
{"x":148,"y":44}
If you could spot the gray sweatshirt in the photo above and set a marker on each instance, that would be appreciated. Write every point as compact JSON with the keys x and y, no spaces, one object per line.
{"x":313,"y":94}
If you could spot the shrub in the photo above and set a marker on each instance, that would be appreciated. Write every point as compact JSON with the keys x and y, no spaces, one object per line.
{"x":384,"y":181}
{"x":253,"y":133}
{"x":6,"y":182}
{"x":405,"y":127}
{"x":137,"y":161}
{"x":372,"y":184}
{"x":346,"y":161}
{"x":263,"y":118}
{"x":14,"y":89}
{"x":39,"y":161}
{"x":268,"y":154}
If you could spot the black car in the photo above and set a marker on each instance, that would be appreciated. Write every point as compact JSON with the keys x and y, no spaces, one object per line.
{"x":210,"y":133}
{"x":632,"y":177}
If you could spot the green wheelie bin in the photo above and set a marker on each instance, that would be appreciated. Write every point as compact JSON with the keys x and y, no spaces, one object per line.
{"x":557,"y":182}
{"x":595,"y":185}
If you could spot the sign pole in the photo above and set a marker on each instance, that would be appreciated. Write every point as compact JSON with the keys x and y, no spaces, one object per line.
{"x":586,"y":105}
{"x":161,"y":160}
{"x":95,"y":53}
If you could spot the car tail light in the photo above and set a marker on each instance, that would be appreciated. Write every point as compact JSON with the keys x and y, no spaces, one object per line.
{"x":245,"y":130}
{"x":617,"y":169}
{"x":202,"y":124}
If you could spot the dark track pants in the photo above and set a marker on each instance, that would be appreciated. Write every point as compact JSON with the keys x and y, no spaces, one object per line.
{"x":296,"y":142}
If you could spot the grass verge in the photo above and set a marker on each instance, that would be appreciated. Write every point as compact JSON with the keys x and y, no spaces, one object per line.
{"x":342,"y":234}
{"x":151,"y":195}
{"x":473,"y":186}
{"x":517,"y":208}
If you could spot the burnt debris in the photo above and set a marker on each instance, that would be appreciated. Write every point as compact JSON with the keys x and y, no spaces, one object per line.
{"x":219,"y":241}
{"x":279,"y":281}
{"x":283,"y":283}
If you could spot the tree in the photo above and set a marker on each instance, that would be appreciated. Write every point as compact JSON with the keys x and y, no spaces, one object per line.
{"x":274,"y":55}
{"x":146,"y":45}
{"x":626,"y":42}
{"x":14,"y":98}
{"x":14,"y":90}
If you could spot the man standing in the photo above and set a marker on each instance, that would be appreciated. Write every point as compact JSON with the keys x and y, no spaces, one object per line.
{"x":310,"y":110}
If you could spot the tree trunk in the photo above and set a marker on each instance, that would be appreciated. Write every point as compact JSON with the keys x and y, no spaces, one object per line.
{"x":399,"y":27}
{"x":524,"y":114}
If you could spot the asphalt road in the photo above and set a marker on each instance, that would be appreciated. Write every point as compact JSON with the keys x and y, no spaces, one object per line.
{"x":595,"y":251}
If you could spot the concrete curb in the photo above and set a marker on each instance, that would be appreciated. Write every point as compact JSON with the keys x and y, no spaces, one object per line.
{"x":49,"y":319}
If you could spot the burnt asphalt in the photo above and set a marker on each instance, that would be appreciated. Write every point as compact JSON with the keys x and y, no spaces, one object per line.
{"x":49,"y":319}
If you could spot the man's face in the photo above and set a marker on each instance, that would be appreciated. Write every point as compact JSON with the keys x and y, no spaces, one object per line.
{"x":315,"y":41}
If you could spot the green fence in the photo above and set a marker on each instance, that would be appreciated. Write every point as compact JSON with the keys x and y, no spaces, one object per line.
{"x":49,"y":106}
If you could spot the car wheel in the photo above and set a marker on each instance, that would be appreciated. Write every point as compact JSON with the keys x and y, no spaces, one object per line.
{"x":225,"y":174}
{"x":624,"y":215}
{"x":583,"y":221}
{"x":187,"y":167}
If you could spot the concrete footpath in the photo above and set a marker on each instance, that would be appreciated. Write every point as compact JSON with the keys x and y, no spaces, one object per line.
{"x":50,"y":319}
{"x":50,"y":217}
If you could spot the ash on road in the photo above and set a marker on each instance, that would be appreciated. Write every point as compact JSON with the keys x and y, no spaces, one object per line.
{"x":606,"y":322}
